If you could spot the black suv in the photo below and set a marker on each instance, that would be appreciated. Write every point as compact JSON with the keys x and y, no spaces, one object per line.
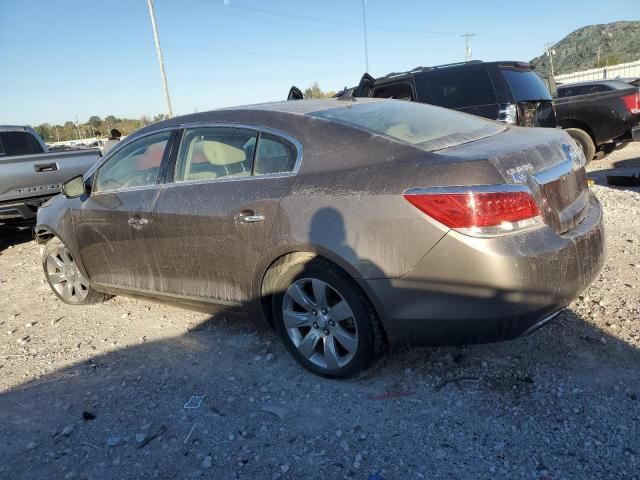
{"x":510,"y":92}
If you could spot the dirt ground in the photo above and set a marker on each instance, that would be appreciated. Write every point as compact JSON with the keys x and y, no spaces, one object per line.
{"x":103,"y":391}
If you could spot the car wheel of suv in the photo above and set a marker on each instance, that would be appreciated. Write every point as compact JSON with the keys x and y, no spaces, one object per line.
{"x":64,"y":278}
{"x":584,"y":141}
{"x":325,"y":320}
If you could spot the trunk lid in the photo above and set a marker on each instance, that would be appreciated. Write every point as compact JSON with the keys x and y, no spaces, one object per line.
{"x":545,"y":160}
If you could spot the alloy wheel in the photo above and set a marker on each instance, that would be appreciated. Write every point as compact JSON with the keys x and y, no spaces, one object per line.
{"x":320,"y":323}
{"x":64,"y":276}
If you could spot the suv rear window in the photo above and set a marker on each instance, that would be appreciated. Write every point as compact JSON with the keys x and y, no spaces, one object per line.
{"x":526,"y":85}
{"x":430,"y":127}
{"x":19,"y":143}
{"x":468,"y":88}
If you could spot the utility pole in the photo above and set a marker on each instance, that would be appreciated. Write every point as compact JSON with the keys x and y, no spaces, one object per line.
{"x":550,"y":53}
{"x":163,"y":76}
{"x":364,"y":22}
{"x":467,"y":47}
{"x":78,"y":128}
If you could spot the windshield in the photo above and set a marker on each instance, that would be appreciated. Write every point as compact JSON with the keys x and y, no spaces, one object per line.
{"x":526,"y":85}
{"x":418,"y":124}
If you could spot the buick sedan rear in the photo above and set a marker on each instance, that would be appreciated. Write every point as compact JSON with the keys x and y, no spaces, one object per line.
{"x":348,"y":226}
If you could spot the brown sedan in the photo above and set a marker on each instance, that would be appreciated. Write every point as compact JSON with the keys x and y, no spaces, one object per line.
{"x":348,"y":225}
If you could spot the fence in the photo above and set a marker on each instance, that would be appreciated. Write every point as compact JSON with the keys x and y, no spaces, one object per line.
{"x":622,"y":70}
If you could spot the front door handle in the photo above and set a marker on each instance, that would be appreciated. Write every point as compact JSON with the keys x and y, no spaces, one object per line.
{"x":249,"y":216}
{"x":137,"y":222}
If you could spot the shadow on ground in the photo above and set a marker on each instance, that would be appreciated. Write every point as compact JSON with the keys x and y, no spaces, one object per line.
{"x":10,"y":237}
{"x":556,"y":403}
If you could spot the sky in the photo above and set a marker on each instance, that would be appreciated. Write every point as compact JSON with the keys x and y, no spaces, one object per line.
{"x":65,"y":58}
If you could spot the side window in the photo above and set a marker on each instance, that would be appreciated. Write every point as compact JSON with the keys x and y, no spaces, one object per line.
{"x":275,"y":155}
{"x":400,"y":91}
{"x":209,"y":153}
{"x":1,"y":148}
{"x":135,"y":165}
{"x":468,"y":88}
{"x":19,"y":143}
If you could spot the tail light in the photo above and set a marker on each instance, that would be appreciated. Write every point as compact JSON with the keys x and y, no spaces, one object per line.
{"x":479,"y":211}
{"x":632,"y":102}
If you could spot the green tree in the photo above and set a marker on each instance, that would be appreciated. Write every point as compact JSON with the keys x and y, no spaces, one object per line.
{"x":95,"y":121}
{"x":44,"y":131}
{"x":314,"y":91}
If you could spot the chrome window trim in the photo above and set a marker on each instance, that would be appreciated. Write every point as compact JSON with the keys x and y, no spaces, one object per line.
{"x":256,"y":128}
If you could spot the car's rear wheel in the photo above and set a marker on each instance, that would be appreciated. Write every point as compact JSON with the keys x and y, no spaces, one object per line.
{"x":584,"y":141}
{"x":325,"y":320}
{"x":64,"y":277}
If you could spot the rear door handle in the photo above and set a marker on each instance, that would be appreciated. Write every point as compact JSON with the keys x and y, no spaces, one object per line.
{"x":248,"y":216}
{"x":45,"y":167}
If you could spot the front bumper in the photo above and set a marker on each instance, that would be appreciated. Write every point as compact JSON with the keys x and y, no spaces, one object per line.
{"x":478,"y":290}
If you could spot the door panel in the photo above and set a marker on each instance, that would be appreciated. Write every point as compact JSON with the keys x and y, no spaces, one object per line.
{"x":113,"y":225}
{"x":211,"y":234}
{"x":115,"y":244}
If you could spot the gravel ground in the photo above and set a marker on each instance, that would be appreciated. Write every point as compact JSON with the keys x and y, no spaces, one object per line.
{"x":103,"y":391}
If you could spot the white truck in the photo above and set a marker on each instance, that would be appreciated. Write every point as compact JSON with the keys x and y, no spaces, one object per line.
{"x":30,"y":175}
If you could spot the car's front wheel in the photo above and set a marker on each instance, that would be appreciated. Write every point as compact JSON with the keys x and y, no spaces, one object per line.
{"x":325,"y":320}
{"x":64,"y":278}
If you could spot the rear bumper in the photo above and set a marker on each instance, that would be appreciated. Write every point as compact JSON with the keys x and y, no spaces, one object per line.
{"x":635,"y":133}
{"x":473,"y":290}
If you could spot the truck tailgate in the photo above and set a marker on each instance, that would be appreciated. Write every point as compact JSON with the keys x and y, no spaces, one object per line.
{"x":28,"y":176}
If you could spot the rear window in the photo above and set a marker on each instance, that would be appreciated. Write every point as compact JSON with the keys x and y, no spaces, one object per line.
{"x":468,"y":88}
{"x":571,"y":91}
{"x":526,"y":85}
{"x":415,"y":123}
{"x":19,"y":143}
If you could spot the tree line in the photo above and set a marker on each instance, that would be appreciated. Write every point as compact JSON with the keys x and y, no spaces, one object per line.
{"x":94,"y":127}
{"x":100,"y":127}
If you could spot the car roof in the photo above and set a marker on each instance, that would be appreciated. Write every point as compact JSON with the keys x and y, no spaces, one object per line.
{"x":395,"y":76}
{"x":288,"y":107}
{"x":303,"y":107}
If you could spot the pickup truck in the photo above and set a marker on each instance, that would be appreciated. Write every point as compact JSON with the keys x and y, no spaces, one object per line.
{"x":599,"y":112}
{"x":30,"y":175}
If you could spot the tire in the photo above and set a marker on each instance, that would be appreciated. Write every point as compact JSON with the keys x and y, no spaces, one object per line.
{"x":64,"y":278}
{"x":338,"y":341}
{"x":584,"y":141}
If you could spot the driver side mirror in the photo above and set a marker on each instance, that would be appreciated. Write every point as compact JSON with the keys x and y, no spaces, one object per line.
{"x":76,"y":187}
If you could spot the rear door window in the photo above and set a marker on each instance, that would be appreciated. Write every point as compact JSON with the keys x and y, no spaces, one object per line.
{"x":211,"y":153}
{"x":526,"y":85}
{"x":19,"y":143}
{"x":275,"y":155}
{"x":467,"y":88}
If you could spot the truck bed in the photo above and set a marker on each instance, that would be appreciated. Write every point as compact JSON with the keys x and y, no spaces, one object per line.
{"x":28,"y":180}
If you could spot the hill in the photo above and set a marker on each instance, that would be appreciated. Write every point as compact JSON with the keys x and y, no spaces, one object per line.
{"x":593,"y":46}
